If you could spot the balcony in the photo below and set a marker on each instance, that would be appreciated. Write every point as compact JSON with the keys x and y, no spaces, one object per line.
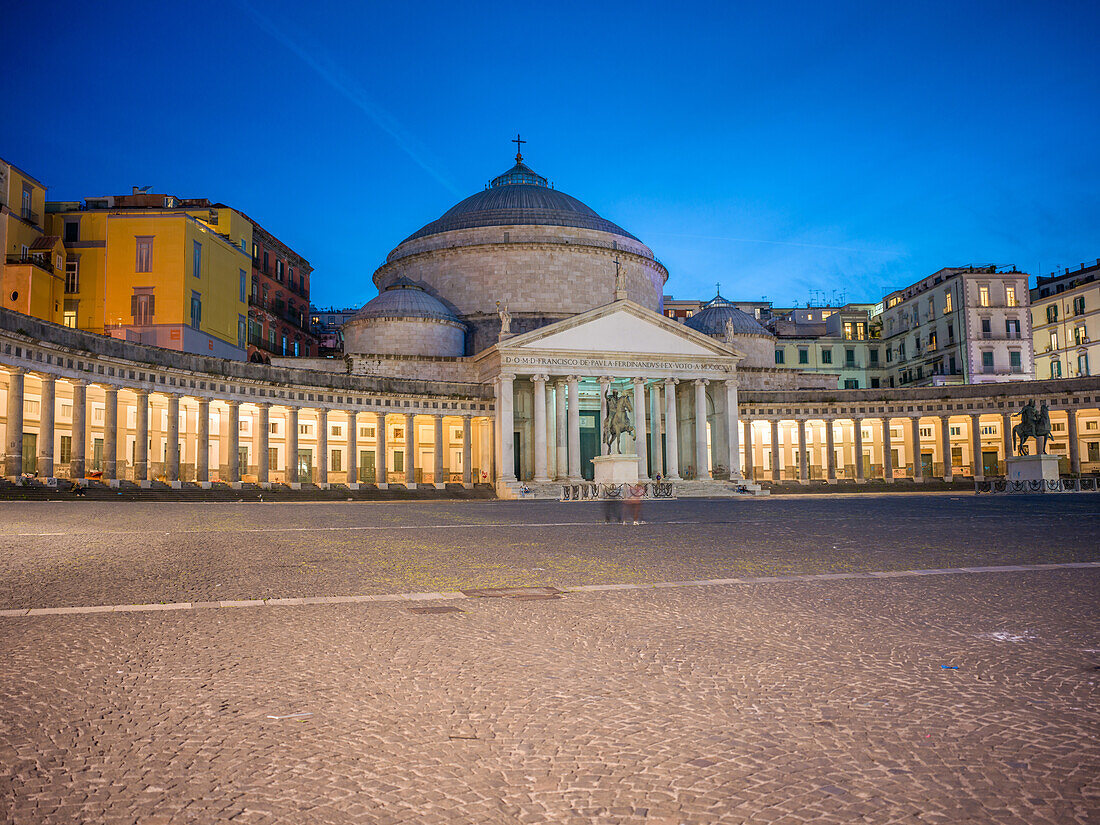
{"x":30,"y":217}
{"x":40,"y":261}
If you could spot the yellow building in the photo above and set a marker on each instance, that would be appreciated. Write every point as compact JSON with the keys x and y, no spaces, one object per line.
{"x":31,"y":270}
{"x":157,"y":269}
{"x":1065,"y":320}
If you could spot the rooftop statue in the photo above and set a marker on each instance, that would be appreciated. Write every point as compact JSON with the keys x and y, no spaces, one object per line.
{"x":505,"y":319}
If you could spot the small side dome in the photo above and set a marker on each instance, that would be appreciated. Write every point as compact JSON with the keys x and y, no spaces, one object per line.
{"x":711,"y":320}
{"x":405,"y":320}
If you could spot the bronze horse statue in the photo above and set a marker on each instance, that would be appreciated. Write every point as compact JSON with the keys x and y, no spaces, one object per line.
{"x":619,"y":409}
{"x":1033,"y":424}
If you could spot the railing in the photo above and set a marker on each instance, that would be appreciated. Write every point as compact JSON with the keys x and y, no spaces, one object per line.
{"x":590,"y":491}
{"x":28,"y":215}
{"x":41,"y":261}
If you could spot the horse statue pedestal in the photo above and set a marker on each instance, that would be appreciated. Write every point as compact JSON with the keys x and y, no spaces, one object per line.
{"x":615,"y":469}
{"x":1042,"y":467}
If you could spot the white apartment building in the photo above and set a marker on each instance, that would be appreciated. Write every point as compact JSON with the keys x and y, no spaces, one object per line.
{"x":1065,"y":319}
{"x":960,"y":325}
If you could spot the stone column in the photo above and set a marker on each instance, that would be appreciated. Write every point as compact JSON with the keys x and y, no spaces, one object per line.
{"x":381,"y":472}
{"x":918,"y":467}
{"x":803,"y":458}
{"x":976,"y":446}
{"x":467,"y":451}
{"x":539,"y":383}
{"x":574,"y":428}
{"x":141,"y":438}
{"x":887,"y":452}
{"x":411,"y":447}
{"x":830,"y":451}
{"x":13,"y":438}
{"x":46,"y":427}
{"x":640,"y":428}
{"x":656,"y":449}
{"x":1074,"y":446}
{"x":263,"y":459}
{"x":748,"y":450}
{"x":561,"y":448}
{"x":440,"y":479}
{"x":78,"y":462}
{"x":506,"y":428}
{"x":551,"y":430}
{"x":172,"y":447}
{"x":701,"y":470}
{"x":777,"y":455}
{"x":734,"y":430}
{"x":202,"y":452}
{"x":322,"y":447}
{"x":353,"y":450}
{"x":945,"y":435}
{"x":672,"y":445}
{"x":291,"y":460}
{"x":110,"y":433}
{"x":605,"y":384}
{"x":234,"y":443}
{"x":857,"y":430}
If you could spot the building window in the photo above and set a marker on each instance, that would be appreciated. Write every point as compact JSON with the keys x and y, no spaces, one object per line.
{"x":255,"y":251}
{"x":1012,"y":328}
{"x":873,"y":353}
{"x":956,"y":430}
{"x":925,"y":432}
{"x":847,"y":330}
{"x":196,"y":262}
{"x":66,"y":454}
{"x":932,"y":340}
{"x":850,"y":357}
{"x":141,"y":308}
{"x":1014,"y":361}
{"x":987,"y":362}
{"x":196,"y":310}
{"x":240,"y":331}
{"x":1079,"y":335}
{"x":1083,"y":364}
{"x":1052,"y":313}
{"x":874,"y":383}
{"x":144,"y":261}
{"x":779,"y":356}
{"x":987,"y":328}
{"x":1079,"y":305}
{"x":1055,"y":368}
{"x":1053,"y":341}
{"x":267,"y":263}
{"x":244,"y":287}
{"x":69,"y":316}
{"x":851,"y":384}
{"x":1010,"y":296}
{"x":826,"y":356}
{"x":953,"y":367}
{"x":72,"y":275}
{"x":803,"y":355}
{"x":947,"y":302}
{"x":931,"y":308}
{"x":334,"y":462}
{"x":950,"y":333}
{"x":279,"y":271}
{"x":983,"y":295}
{"x":336,"y":429}
{"x":72,"y":230}
{"x":297,"y":347}
{"x":366,"y":432}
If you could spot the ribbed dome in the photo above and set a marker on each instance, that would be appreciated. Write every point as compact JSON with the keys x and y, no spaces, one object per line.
{"x":404,"y":299}
{"x":711,"y":320}
{"x":520,"y":197}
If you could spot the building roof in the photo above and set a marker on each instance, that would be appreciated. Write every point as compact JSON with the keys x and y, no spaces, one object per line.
{"x":712,"y":318}
{"x":405,"y":299}
{"x":45,"y":242}
{"x":520,"y":197}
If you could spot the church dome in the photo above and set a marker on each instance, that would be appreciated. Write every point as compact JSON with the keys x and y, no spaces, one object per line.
{"x":520,"y":197}
{"x":405,"y":299}
{"x":711,"y":320}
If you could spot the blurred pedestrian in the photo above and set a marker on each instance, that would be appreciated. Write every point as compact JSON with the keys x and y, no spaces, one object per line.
{"x":634,"y":502}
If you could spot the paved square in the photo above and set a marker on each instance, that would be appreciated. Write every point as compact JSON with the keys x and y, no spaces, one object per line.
{"x":285,"y":678}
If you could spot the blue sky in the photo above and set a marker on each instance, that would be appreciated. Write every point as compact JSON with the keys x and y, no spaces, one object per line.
{"x":777,"y":148}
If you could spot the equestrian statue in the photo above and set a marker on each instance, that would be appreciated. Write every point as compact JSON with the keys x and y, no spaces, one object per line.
{"x":1033,"y":424}
{"x":620,"y":409}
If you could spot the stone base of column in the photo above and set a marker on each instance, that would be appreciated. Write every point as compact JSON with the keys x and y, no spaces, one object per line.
{"x":804,"y":481}
{"x":112,"y":482}
{"x":175,"y":485}
{"x":265,"y":485}
{"x":467,"y":485}
{"x":410,"y":485}
{"x":541,"y":480}
{"x":145,"y":485}
{"x":322,"y":485}
{"x":354,"y":485}
{"x":205,"y":485}
{"x":439,"y":485}
{"x":830,"y":481}
{"x":383,"y":485}
{"x":295,"y":485}
{"x":889,"y":479}
{"x":234,"y":485}
{"x":948,"y":478}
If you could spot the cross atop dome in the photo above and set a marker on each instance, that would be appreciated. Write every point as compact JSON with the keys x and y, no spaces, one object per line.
{"x":519,"y":148}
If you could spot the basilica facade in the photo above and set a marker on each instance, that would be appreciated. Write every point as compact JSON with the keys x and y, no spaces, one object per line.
{"x":487,"y":357}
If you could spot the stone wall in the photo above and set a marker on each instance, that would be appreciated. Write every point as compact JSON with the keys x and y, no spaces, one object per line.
{"x":404,"y":336}
{"x":536,"y":269}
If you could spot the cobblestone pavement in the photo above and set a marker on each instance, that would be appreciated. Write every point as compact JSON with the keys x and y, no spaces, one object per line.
{"x":915,"y":699}
{"x":56,"y":554}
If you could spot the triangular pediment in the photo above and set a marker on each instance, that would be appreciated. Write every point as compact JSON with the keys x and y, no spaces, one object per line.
{"x":621,"y":327}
